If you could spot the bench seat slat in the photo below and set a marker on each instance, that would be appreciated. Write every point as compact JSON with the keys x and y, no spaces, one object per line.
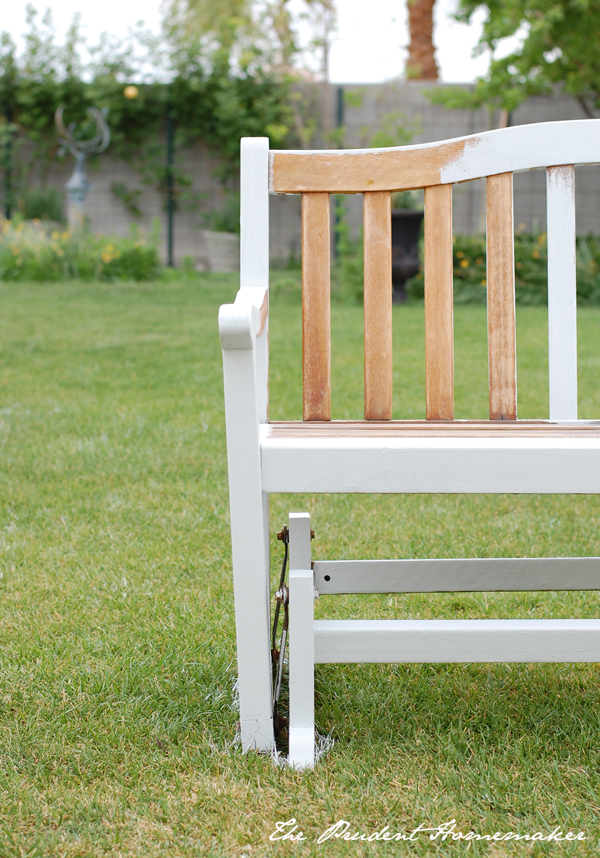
{"x":513,"y":462}
{"x":432,"y":429}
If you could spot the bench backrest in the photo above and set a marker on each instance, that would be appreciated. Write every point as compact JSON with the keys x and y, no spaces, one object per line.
{"x":375,"y":173}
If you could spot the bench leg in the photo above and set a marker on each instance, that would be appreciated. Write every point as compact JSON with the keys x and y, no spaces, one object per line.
{"x":252,"y":620}
{"x":302,"y":646}
{"x":249,"y":507}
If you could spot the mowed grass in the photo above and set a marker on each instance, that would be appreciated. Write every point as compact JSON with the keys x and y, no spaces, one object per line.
{"x":117,"y":638}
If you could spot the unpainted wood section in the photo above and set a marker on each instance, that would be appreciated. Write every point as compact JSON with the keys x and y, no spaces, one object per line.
{"x":439,"y":346}
{"x":359,"y":172}
{"x":264,"y":312}
{"x":432,"y":429}
{"x":377,"y":223}
{"x":316,"y":323}
{"x":502,"y":351}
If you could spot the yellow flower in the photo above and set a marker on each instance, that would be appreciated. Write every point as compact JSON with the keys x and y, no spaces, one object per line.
{"x":55,"y":234}
{"x":536,"y":254}
{"x":460,"y":254}
{"x":16,"y":250}
{"x":109,"y":248}
{"x":65,"y":235}
{"x":542,"y":238}
{"x":518,"y":265}
{"x":464,"y":263}
{"x":60,"y":252}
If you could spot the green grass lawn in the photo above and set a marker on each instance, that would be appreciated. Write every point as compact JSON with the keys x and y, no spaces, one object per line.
{"x":117,"y":650}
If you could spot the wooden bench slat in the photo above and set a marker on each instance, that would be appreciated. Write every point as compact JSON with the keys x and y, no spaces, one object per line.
{"x":359,"y":429}
{"x":562,"y":293}
{"x":502,"y":354}
{"x":316,"y":325}
{"x":377,"y":224}
{"x":439,"y":347}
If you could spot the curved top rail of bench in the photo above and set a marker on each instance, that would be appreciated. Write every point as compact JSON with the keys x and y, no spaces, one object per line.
{"x":505,"y":150}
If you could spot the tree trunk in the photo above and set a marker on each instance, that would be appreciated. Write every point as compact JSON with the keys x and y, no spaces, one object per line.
{"x":421,"y":63}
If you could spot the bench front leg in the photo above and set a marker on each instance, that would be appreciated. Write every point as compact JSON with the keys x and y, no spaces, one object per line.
{"x":239,"y":325}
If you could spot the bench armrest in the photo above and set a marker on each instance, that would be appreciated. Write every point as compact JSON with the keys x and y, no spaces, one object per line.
{"x":243,"y":322}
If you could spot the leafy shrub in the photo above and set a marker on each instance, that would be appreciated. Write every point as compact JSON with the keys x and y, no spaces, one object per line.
{"x":348,"y":265}
{"x":41,"y":204}
{"x":227,"y":219}
{"x":531,"y":267}
{"x":28,"y":253}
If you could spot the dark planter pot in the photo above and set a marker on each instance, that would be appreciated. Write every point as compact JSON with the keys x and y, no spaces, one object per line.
{"x":406,"y":229}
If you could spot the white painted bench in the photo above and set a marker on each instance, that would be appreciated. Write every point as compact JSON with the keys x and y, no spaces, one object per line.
{"x":439,"y":454}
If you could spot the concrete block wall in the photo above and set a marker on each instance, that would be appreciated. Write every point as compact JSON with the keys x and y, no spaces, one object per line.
{"x":379,"y":104}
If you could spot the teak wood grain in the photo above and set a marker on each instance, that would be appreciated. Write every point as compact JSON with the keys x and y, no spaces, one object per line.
{"x":377,"y":223}
{"x":316,"y":339}
{"x":439,"y":348}
{"x":350,"y":429}
{"x":502,"y":353}
{"x":503,"y":150}
{"x":348,"y":172}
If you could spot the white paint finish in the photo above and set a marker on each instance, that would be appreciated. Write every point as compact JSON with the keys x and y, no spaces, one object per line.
{"x":431,"y":465}
{"x":301,"y":646}
{"x":249,"y":524}
{"x":254,"y":212}
{"x":431,"y":641}
{"x":262,"y":373}
{"x":505,"y":150}
{"x":238,"y":325}
{"x":240,"y":322}
{"x":562,"y":293}
{"x":526,"y":147}
{"x":456,"y":575}
{"x":257,"y":735}
{"x":254,"y":244}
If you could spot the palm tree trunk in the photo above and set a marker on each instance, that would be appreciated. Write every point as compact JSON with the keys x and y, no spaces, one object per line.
{"x":421,"y":63}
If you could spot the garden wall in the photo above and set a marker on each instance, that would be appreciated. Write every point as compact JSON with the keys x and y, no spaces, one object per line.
{"x":375,"y":107}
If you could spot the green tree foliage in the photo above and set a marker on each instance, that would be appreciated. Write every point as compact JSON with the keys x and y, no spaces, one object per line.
{"x":213,"y":96}
{"x":559,"y":49}
{"x":266,"y":34}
